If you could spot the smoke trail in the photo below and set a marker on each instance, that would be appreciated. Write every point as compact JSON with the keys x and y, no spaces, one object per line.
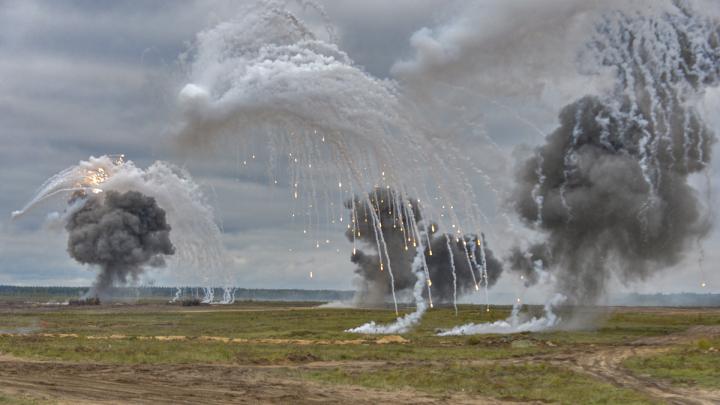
{"x":404,"y":323}
{"x":373,"y":283}
{"x":613,"y":177}
{"x":121,"y":233}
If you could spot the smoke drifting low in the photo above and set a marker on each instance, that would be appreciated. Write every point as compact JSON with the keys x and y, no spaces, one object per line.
{"x":442,"y":253}
{"x":609,"y":189}
{"x":121,"y":233}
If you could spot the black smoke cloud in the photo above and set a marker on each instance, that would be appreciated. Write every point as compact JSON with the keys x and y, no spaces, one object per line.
{"x":122,"y":233}
{"x":609,"y":188}
{"x":463,"y":249}
{"x":374,"y":283}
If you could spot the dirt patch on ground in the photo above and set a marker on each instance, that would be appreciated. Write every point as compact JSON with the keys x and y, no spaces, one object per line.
{"x":391,"y":339}
{"x":188,"y":384}
{"x":224,"y":339}
{"x":606,"y":364}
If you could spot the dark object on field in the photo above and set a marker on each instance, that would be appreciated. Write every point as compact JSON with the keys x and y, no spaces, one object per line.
{"x":85,"y":301}
{"x":191,"y":302}
{"x":301,"y":357}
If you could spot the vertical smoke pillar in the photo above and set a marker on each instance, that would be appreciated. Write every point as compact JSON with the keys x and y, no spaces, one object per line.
{"x":449,"y":277}
{"x":609,"y":188}
{"x":122,"y":233}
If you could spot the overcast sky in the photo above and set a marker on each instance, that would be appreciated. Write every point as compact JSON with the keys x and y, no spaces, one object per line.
{"x":81,"y":78}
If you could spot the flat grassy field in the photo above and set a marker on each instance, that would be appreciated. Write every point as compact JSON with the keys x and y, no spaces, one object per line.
{"x":299,"y":353}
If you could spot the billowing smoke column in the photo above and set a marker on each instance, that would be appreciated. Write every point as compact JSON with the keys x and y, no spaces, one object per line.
{"x":122,"y":233}
{"x":454,"y":264}
{"x":118,"y":216}
{"x":609,"y":189}
{"x":470,"y":272}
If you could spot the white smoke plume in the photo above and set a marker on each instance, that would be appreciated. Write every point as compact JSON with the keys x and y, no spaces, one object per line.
{"x":516,"y":323}
{"x":269,"y":77}
{"x":404,"y":323}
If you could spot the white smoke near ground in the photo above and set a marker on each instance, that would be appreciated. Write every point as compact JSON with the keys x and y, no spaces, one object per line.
{"x":199,"y":258}
{"x":338,"y":304}
{"x":405,"y":323}
{"x":516,"y":323}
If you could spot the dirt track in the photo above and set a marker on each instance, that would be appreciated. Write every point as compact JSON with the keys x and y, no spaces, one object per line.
{"x":606,"y":364}
{"x":186,"y":384}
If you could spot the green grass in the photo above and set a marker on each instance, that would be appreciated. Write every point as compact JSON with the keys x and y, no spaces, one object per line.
{"x":690,"y":365}
{"x":242,"y":321}
{"x":232,"y":322}
{"x":246,"y":321}
{"x":521,"y":382}
{"x":438,"y":365}
{"x":133,"y":351}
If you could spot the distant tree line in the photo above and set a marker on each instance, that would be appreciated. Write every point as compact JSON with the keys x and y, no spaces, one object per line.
{"x":267,"y":294}
{"x":241,"y":294}
{"x":670,"y":300}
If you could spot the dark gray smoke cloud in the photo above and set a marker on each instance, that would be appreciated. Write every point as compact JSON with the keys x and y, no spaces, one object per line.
{"x":374,"y":284}
{"x":462,"y":249}
{"x":609,"y":188}
{"x":121,"y":233}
